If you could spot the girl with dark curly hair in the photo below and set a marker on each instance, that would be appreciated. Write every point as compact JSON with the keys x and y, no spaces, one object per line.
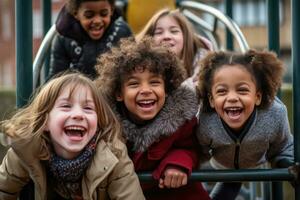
{"x":86,"y":29}
{"x":142,"y":82}
{"x":242,"y":124}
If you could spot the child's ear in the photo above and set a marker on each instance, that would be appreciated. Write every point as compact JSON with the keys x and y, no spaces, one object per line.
{"x":112,"y":10}
{"x":211,"y":100}
{"x":75,"y":16}
{"x":46,"y":127}
{"x":119,"y":97}
{"x":258,"y":98}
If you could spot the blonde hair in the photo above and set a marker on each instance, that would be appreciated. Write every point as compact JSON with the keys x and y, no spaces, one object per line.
{"x":31,"y":120}
{"x":191,"y":41}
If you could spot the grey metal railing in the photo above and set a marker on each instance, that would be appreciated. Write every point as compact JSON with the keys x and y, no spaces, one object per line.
{"x":191,"y":9}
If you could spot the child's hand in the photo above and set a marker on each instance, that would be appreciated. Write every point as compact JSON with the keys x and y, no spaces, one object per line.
{"x":295,"y":169}
{"x":173,"y":178}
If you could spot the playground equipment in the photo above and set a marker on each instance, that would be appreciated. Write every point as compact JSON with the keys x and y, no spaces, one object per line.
{"x":192,"y":10}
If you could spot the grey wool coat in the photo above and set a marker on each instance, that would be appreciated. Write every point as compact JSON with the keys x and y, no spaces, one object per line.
{"x":268,"y":139}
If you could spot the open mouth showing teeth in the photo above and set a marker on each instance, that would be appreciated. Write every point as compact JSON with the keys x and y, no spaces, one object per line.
{"x":75,"y":131}
{"x":146,"y":104}
{"x":233,"y":111}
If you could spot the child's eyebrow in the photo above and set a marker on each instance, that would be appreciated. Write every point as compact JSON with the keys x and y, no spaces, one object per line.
{"x":63,"y":98}
{"x":130,"y":77}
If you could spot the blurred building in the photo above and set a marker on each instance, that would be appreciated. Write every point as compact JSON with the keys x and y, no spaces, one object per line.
{"x":7,"y":36}
{"x":252,"y":17}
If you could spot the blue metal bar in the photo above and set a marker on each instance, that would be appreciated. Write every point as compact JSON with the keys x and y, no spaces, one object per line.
{"x":23,"y":51}
{"x":296,"y":81}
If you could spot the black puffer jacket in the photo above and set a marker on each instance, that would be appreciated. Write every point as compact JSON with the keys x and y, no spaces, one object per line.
{"x":72,"y":48}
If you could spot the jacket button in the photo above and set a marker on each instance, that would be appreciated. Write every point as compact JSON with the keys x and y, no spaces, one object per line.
{"x":105,"y":168}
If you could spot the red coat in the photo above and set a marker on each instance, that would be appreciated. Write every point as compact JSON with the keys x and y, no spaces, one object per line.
{"x":178,"y":149}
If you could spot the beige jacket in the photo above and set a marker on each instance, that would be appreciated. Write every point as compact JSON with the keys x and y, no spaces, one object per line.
{"x":108,"y":176}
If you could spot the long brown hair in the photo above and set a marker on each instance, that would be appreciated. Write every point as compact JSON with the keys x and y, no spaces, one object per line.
{"x":191,"y":42}
{"x":31,"y":120}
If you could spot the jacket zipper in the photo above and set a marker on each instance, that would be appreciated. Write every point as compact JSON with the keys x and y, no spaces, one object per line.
{"x":237,"y":154}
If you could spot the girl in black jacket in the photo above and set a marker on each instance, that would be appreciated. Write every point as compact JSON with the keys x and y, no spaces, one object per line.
{"x":86,"y":29}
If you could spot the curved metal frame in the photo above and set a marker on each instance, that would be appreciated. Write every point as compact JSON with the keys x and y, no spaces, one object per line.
{"x":208,"y":30}
{"x":229,"y":23}
{"x":41,"y":55}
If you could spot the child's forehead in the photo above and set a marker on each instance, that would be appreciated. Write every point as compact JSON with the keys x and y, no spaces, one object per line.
{"x":232,"y":67}
{"x":73,"y":89}
{"x":142,"y":72}
{"x":95,"y":5}
{"x":230,"y":72}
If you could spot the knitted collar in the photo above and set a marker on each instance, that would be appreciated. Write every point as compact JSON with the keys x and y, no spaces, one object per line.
{"x":66,"y":174}
{"x":181,"y":105}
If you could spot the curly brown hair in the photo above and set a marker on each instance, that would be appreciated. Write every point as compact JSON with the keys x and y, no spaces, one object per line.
{"x":115,"y":66}
{"x":73,"y":5}
{"x":264,"y":66}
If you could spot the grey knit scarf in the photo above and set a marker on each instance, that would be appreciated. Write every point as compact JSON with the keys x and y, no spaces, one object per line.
{"x":66,"y":174}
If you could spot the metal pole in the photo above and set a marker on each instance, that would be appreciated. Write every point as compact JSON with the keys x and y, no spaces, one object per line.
{"x":296,"y":82}
{"x":24,"y":65}
{"x":274,"y":28}
{"x":274,"y":45}
{"x":234,"y":175}
{"x":23,"y":51}
{"x":229,"y":38}
{"x":46,"y":7}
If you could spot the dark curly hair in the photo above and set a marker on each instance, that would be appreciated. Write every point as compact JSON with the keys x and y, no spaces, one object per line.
{"x":266,"y":69}
{"x":115,"y":66}
{"x":73,"y":5}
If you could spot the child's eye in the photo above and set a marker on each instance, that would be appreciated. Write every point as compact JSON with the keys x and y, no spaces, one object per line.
{"x":65,"y":105}
{"x":158,"y":32}
{"x":175,"y":31}
{"x":243,"y":90}
{"x":89,"y":108}
{"x":104,"y":13}
{"x":220,"y":91}
{"x":155,"y":82}
{"x":132,"y":84}
{"x":89,"y":14}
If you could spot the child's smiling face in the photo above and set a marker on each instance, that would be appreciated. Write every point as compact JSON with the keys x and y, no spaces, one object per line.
{"x":94,"y":17}
{"x":143,"y":94}
{"x":234,"y":95}
{"x":169,"y":32}
{"x":72,"y":121}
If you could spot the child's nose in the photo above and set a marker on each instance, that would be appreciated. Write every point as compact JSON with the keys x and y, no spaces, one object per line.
{"x":146,"y":90}
{"x":166,"y":36}
{"x":232,"y":96}
{"x":97,"y":19}
{"x":77,"y":114}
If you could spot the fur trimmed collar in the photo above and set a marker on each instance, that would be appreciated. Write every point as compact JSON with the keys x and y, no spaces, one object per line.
{"x":181,"y":105}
